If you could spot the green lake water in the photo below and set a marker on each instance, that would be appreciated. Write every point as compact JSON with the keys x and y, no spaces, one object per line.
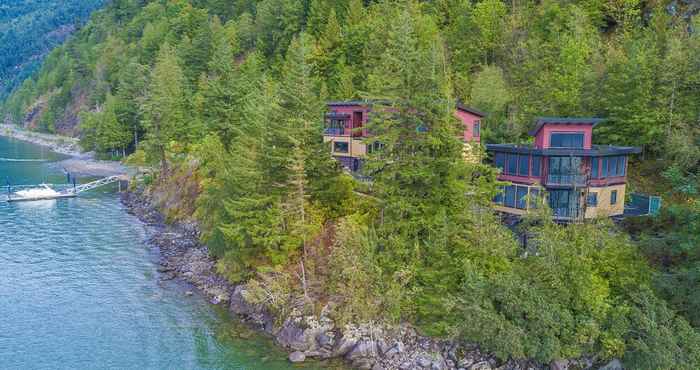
{"x":79,"y":289}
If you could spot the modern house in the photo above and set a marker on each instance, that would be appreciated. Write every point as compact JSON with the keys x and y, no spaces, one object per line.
{"x":576,"y":178}
{"x":346,"y":129}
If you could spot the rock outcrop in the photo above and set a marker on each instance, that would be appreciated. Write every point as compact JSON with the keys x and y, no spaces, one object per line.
{"x":365,"y":346}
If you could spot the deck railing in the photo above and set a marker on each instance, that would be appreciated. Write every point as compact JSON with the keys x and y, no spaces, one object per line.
{"x":571,"y":213}
{"x":334,"y":131}
{"x":574,"y":179}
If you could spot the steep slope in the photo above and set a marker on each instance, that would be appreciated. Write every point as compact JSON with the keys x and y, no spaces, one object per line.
{"x":29,"y":29}
{"x":230,"y":95}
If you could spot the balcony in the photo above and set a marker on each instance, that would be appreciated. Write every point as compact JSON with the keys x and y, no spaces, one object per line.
{"x":569,"y":213}
{"x":567,"y":180}
{"x":334,"y":131}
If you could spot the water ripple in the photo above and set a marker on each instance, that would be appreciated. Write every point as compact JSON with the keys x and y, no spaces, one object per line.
{"x":79,"y":290}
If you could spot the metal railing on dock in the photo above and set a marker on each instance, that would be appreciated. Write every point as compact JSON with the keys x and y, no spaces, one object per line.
{"x":16,"y":193}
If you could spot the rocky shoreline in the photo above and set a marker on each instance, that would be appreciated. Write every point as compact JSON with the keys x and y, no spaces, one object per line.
{"x":79,"y":164}
{"x":59,"y":144}
{"x":363,"y":346}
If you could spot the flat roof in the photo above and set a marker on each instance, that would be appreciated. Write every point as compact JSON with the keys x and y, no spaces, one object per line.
{"x":596,"y":151}
{"x":473,"y":111}
{"x":542,"y":121}
{"x":347,"y":103}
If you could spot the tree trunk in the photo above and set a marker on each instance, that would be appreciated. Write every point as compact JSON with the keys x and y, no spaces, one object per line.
{"x":163,"y":164}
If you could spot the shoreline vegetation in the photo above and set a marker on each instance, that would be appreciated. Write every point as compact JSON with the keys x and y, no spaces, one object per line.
{"x":227,"y":102}
{"x":361,"y":345}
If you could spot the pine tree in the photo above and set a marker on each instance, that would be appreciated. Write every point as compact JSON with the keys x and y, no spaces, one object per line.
{"x":218,"y":96}
{"x":131,"y":91}
{"x":317,"y":18}
{"x":165,"y":106}
{"x":301,"y":121}
{"x":102,"y":130}
{"x":427,"y":222}
{"x":344,"y":84}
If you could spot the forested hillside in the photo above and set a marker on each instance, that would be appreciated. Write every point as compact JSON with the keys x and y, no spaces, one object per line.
{"x":29,"y":29}
{"x":225,"y":99}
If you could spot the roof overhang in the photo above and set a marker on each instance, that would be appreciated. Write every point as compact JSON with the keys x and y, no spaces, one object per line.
{"x":332,"y":115}
{"x":542,"y":121}
{"x":473,"y":111}
{"x":349,"y":103}
{"x":368,"y":103}
{"x":596,"y":151}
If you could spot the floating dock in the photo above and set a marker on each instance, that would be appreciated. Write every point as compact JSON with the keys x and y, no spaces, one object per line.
{"x":28,"y":193}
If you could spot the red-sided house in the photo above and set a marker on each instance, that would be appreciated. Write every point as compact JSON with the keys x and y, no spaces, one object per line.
{"x":346,"y":127}
{"x":577,"y":179}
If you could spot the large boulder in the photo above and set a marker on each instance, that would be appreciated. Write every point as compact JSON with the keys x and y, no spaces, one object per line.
{"x":423,"y":362}
{"x":255,"y":314}
{"x":308,"y":334}
{"x":483,"y":365}
{"x":615,"y":364}
{"x":297,"y":356}
{"x":292,"y":336}
{"x":363,"y":349}
{"x":559,"y":365}
{"x":239,"y":306}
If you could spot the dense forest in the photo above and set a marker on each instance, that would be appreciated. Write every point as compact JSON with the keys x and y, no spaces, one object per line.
{"x":29,"y":29}
{"x":226,"y":99}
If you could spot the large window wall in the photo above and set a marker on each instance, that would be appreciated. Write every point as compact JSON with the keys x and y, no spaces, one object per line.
{"x":609,"y":167}
{"x":518,"y":196}
{"x":523,"y":165}
{"x":566,"y":140}
{"x":564,"y":203}
{"x":566,"y":171}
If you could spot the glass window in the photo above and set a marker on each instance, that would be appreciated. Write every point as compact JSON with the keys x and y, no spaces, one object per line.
{"x":510,"y":196}
{"x":563,"y":203}
{"x":512,"y":164}
{"x":374,"y":147}
{"x":558,"y":199}
{"x":612,"y":166}
{"x":613,"y":197}
{"x":593,"y":199}
{"x":604,"y":168}
{"x":554,"y":165}
{"x":523,"y":165}
{"x":621,"y":162}
{"x":341,"y":147}
{"x":566,"y":140}
{"x":477,"y":129}
{"x":522,"y":197}
{"x":500,"y":160}
{"x":498,"y":199}
{"x":595,"y":167}
{"x":565,"y":165}
{"x":536,"y":166}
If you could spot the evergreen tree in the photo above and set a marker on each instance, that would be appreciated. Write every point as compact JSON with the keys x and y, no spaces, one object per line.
{"x":218,"y":96}
{"x":418,"y":171}
{"x":102,"y":130}
{"x":165,"y":106}
{"x":131,"y":91}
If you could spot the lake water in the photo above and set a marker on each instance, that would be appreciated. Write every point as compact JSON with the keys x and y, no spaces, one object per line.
{"x":79,"y":289}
